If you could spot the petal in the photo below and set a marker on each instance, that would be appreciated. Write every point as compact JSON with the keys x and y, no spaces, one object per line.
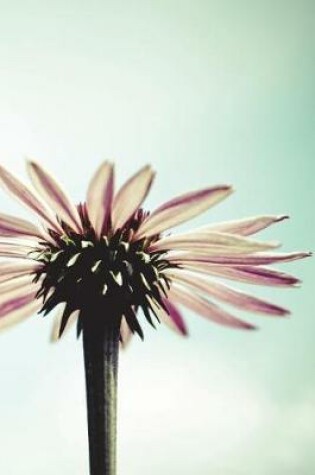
{"x":15,"y":227}
{"x":27,"y":197}
{"x":12,"y":270}
{"x":20,"y":313}
{"x":226,"y":294}
{"x":247,"y":274}
{"x":125,"y":333}
{"x":206,"y":308}
{"x":174,"y":318}
{"x":211,"y":243}
{"x":18,"y":303}
{"x":55,"y":331}
{"x":15,"y":284}
{"x":53,"y":194}
{"x":100,"y":196}
{"x":182,"y":209}
{"x":245,"y":227}
{"x":16,"y":250}
{"x":231,"y":260}
{"x":131,"y":195}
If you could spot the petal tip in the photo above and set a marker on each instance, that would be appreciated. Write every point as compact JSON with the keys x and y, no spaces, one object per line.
{"x":282,"y":217}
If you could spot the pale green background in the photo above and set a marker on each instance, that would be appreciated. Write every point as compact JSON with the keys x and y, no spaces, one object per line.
{"x":208,"y":92}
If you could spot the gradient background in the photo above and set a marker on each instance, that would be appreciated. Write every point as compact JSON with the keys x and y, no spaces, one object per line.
{"x":208,"y":92}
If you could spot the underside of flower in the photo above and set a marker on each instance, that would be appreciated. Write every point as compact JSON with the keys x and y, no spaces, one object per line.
{"x":108,"y":256}
{"x":104,"y":260}
{"x":112,"y":274}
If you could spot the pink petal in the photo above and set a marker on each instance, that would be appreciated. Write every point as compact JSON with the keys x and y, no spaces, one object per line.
{"x":231,"y":260}
{"x":211,"y":243}
{"x":54,"y":336}
{"x":174,"y":319}
{"x":206,"y":308}
{"x":245,"y":227}
{"x":226,"y":294}
{"x":26,"y":196}
{"x":18,"y":304}
{"x":16,"y":227}
{"x":53,"y":194}
{"x":125,"y":333}
{"x":29,"y":308}
{"x":131,"y":195}
{"x":248,"y":274}
{"x":182,"y":209}
{"x":100,"y":196}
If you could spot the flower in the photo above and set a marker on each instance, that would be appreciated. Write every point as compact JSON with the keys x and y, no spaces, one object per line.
{"x":109,"y":254}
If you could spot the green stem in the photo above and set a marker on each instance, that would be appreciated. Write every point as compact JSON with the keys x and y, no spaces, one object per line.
{"x":101,"y":347}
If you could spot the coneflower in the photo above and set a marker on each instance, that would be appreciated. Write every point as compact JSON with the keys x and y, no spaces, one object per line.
{"x":103,"y":261}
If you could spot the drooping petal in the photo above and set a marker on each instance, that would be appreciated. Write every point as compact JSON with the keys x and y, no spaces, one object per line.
{"x":248,"y":274}
{"x":125,"y":333}
{"x":18,"y":303}
{"x":10,"y":284}
{"x":26,"y":197}
{"x":206,"y":308}
{"x":55,"y":331}
{"x":100,"y":196}
{"x":11,"y":270}
{"x":19,"y":313}
{"x":232,"y":260}
{"x":211,"y":243}
{"x":174,"y":318}
{"x":11,"y":226}
{"x":246,"y":226}
{"x":21,"y":251}
{"x":182,"y":209}
{"x":226,"y":294}
{"x":131,"y":195}
{"x":54,"y":195}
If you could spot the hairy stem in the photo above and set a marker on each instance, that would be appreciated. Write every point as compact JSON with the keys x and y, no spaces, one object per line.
{"x":101,"y":347}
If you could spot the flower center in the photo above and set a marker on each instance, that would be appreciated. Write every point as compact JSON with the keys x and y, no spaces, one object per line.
{"x":111,"y":275}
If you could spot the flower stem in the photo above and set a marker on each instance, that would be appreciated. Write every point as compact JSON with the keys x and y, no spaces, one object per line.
{"x":101,"y":347}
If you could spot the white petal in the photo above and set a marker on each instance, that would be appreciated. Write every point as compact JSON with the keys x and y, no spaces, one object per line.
{"x":244,"y":227}
{"x":53,"y":194}
{"x":212,"y":243}
{"x":226,"y":294}
{"x":206,"y":308}
{"x":131,"y":195}
{"x":100,"y":196}
{"x":26,"y":197}
{"x":15,"y":284}
{"x":182,"y":209}
{"x":8,"y":268}
{"x":16,"y":250}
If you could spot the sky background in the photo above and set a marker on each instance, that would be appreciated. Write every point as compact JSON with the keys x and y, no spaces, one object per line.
{"x":208,"y":92}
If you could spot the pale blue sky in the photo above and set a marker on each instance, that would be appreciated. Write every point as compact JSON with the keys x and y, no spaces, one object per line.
{"x":208,"y":92}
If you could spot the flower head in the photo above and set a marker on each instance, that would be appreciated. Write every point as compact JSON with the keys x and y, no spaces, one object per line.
{"x":110,"y":255}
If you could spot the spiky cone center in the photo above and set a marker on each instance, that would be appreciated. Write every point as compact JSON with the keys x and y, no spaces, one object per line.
{"x":112,"y":272}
